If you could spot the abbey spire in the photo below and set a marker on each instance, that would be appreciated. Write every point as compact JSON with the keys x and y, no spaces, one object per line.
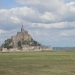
{"x":22,"y":26}
{"x":22,"y":29}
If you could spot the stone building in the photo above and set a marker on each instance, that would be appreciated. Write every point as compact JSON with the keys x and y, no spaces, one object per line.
{"x":26,"y":41}
{"x":23,"y":35}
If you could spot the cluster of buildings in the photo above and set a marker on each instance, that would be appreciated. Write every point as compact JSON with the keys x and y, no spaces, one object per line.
{"x":23,"y":41}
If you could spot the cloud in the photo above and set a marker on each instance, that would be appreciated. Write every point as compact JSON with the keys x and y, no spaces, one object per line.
{"x":60,"y":25}
{"x":45,"y":5}
{"x":2,"y":31}
{"x":50,"y":21}
{"x":58,"y":12}
{"x":70,"y":4}
{"x":51,"y":10}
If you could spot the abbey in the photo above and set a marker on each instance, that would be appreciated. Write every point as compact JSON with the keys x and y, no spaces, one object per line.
{"x":21,"y":36}
{"x":23,"y":41}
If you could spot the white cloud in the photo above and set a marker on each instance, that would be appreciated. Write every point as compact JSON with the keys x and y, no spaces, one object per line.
{"x":46,"y":5}
{"x":52,"y":20}
{"x":2,"y":31}
{"x":70,"y":4}
{"x":48,"y":16}
{"x":60,"y":25}
{"x":51,"y":10}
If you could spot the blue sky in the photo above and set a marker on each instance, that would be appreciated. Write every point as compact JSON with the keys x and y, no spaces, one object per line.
{"x":50,"y":22}
{"x":8,"y":4}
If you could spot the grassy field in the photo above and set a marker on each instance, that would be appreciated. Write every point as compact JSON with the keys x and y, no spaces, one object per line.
{"x":38,"y":63}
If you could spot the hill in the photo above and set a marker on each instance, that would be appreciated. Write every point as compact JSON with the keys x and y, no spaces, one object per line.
{"x":23,"y":41}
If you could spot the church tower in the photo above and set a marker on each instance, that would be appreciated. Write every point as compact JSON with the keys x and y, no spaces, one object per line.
{"x":22,"y":29}
{"x":23,"y":35}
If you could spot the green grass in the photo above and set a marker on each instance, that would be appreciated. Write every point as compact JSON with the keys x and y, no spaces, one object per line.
{"x":38,"y":63}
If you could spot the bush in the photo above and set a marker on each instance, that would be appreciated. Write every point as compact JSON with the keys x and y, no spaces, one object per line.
{"x":7,"y":44}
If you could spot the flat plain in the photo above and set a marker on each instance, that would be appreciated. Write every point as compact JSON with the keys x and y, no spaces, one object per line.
{"x":38,"y":63}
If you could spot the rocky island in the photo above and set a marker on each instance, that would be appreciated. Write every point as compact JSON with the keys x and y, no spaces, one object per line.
{"x":23,"y":41}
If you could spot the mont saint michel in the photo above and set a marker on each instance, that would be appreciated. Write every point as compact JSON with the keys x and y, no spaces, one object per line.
{"x":23,"y":41}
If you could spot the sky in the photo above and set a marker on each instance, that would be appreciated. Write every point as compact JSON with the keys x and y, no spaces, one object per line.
{"x":50,"y":22}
